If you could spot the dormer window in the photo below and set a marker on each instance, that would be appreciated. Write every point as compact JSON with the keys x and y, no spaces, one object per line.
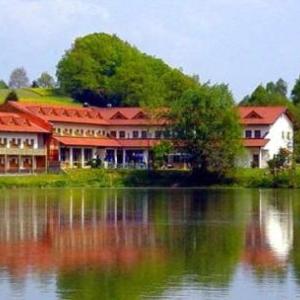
{"x":253,"y":115}
{"x":118,"y":116}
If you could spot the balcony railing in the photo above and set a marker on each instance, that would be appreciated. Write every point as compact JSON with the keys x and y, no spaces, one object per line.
{"x":25,"y":151}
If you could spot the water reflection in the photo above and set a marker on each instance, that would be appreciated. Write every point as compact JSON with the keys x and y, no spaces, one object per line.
{"x":133,"y":244}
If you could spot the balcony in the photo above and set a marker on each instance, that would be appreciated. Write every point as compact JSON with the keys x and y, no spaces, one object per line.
{"x":25,"y":151}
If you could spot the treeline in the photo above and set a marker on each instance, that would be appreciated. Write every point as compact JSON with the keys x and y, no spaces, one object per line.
{"x":19,"y":79}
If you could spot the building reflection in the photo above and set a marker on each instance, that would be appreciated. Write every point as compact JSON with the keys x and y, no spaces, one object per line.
{"x":269,"y":234}
{"x":47,"y":234}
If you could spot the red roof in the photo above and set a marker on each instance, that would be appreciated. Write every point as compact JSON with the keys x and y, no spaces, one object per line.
{"x":11,"y":122}
{"x":106,"y":142}
{"x":64,"y":114}
{"x":138,"y":143}
{"x":125,"y":116}
{"x":87,"y":141}
{"x":255,"y":142}
{"x":260,"y":115}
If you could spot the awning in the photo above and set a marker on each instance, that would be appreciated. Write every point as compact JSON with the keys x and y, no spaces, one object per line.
{"x":106,"y":142}
{"x":86,"y":141}
{"x":255,"y":142}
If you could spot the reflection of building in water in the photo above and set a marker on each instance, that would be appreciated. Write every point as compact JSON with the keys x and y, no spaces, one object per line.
{"x":269,"y":235}
{"x":45,"y":234}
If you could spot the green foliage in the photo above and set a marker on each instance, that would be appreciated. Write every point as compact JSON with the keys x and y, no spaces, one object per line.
{"x":12,"y":96}
{"x":45,"y":81}
{"x":207,"y":125}
{"x":295,"y":95}
{"x":161,"y":151}
{"x":271,"y":95}
{"x":279,"y":161}
{"x":39,"y":95}
{"x":113,"y":71}
{"x":3,"y":85}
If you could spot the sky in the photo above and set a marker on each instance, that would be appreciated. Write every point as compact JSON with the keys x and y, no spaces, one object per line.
{"x":239,"y":42}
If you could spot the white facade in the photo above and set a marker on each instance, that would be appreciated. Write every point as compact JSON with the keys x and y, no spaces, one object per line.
{"x":277,"y":135}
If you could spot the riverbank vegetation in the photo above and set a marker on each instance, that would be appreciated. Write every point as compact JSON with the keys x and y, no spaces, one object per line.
{"x":247,"y":178}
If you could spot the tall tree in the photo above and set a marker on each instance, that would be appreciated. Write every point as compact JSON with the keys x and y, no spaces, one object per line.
{"x":104,"y":65}
{"x":18,"y":78}
{"x":46,"y":80}
{"x":269,"y":95}
{"x":296,"y":92}
{"x":207,"y":125}
{"x":3,"y":84}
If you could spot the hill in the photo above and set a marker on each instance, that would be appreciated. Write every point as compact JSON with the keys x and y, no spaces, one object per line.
{"x":39,"y":95}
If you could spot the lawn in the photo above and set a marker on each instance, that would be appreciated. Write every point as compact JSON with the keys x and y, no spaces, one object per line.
{"x":39,"y":95}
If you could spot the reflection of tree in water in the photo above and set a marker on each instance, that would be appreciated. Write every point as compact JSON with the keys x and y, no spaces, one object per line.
{"x":124,"y":244}
{"x":269,"y":235}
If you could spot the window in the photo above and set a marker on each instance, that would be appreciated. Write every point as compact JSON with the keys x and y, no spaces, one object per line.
{"x":113,"y":134}
{"x":282,"y":134}
{"x":158,"y":134}
{"x":257,"y":134}
{"x":122,"y":134}
{"x":167,"y":134}
{"x":289,"y":135}
{"x":135,"y":134}
{"x":144,"y":134}
{"x":248,"y":134}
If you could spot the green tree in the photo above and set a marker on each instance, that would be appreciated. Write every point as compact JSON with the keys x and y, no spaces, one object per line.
{"x":12,"y":96}
{"x":295,"y":95}
{"x":207,"y":125}
{"x":161,"y":151}
{"x":3,"y":84}
{"x":18,"y":78}
{"x":105,"y":66}
{"x":269,"y":95}
{"x":45,"y":81}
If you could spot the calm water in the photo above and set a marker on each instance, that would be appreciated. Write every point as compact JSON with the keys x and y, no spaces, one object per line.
{"x":149,"y":244}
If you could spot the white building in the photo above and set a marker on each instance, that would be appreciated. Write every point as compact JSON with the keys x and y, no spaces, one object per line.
{"x":265,"y":131}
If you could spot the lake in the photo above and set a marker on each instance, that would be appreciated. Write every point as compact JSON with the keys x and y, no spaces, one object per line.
{"x":149,"y":244}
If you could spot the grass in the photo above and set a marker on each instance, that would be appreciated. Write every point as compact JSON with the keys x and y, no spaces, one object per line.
{"x":39,"y":95}
{"x":98,"y":178}
{"x":252,"y":178}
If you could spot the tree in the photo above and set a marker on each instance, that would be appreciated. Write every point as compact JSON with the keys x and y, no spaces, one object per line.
{"x":12,"y":96}
{"x":207,"y":126}
{"x":3,"y":84}
{"x":269,"y":95}
{"x":161,"y":152}
{"x":46,"y":81}
{"x":105,"y":66}
{"x":18,"y":78}
{"x":295,"y":95}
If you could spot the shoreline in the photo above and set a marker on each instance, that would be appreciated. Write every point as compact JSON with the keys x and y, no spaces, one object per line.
{"x":154,"y":179}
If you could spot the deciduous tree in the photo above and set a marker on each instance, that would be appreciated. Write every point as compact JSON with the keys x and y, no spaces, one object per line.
{"x":18,"y":78}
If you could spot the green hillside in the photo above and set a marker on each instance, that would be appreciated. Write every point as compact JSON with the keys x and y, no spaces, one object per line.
{"x":39,"y":95}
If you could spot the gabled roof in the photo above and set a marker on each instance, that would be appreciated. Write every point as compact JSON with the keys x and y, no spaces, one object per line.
{"x":64,"y":114}
{"x":261,"y":115}
{"x":124,"y":116}
{"x":11,"y":122}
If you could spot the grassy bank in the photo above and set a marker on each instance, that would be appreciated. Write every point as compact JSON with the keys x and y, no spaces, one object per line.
{"x":98,"y":178}
{"x":253,"y":178}
{"x":39,"y":95}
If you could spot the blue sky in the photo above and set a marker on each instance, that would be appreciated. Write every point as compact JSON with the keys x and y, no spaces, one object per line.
{"x":239,"y":42}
